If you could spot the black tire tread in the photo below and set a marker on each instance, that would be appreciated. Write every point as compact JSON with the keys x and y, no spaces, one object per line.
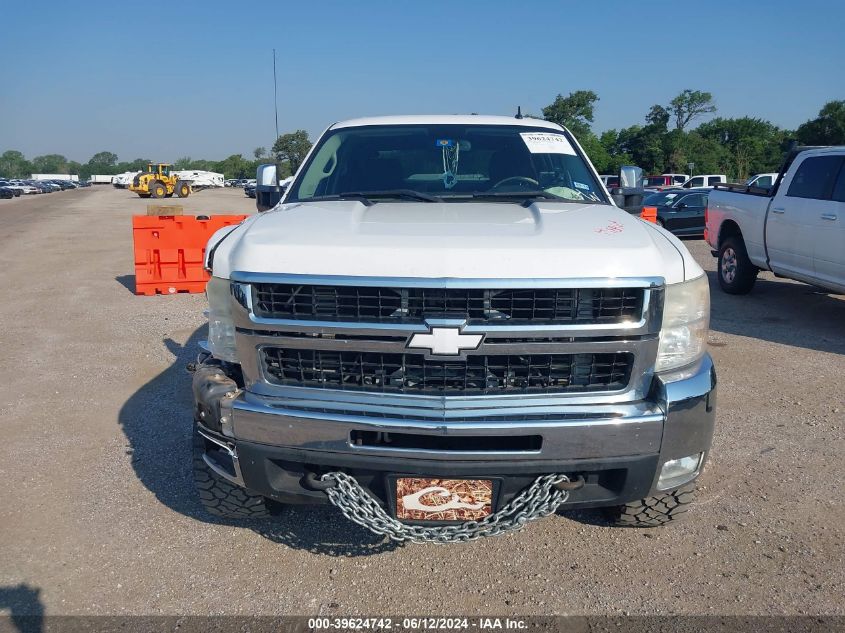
{"x":221,"y":497}
{"x":654,"y":511}
{"x":157,"y":190}
{"x":746,"y":273}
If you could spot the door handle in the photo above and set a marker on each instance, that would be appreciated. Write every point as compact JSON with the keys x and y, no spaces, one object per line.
{"x":778,"y":210}
{"x":828,"y":216}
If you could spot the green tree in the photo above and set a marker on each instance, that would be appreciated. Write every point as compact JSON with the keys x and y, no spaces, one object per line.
{"x":13,"y":164}
{"x":235,"y":166}
{"x":689,"y":105}
{"x":616,"y":153}
{"x":74,"y":167}
{"x":575,"y":111}
{"x":106,"y":159}
{"x":828,"y":128}
{"x":139,"y":164}
{"x":658,"y":117}
{"x":100,"y":163}
{"x":709,"y":155}
{"x":597,"y":153}
{"x":754,"y":145}
{"x":293,"y":148}
{"x":259,"y":153}
{"x":50,"y":164}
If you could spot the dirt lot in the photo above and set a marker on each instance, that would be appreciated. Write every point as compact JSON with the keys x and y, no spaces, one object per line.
{"x":98,"y":514}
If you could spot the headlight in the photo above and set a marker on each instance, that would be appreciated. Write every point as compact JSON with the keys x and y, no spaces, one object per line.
{"x":221,"y":328}
{"x":686,"y":318}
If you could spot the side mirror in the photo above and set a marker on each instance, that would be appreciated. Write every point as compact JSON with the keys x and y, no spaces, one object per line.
{"x":630,"y":176}
{"x":681,"y":205}
{"x":267,"y":189}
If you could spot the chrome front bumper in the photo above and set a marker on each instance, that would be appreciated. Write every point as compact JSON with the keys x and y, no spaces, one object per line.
{"x":277,"y":439}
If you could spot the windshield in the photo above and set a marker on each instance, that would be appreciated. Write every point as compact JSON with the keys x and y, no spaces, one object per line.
{"x":446,"y":162}
{"x":662,"y":199}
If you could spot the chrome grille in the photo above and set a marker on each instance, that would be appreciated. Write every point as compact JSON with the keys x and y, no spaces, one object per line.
{"x":415,"y":373}
{"x":513,"y":306}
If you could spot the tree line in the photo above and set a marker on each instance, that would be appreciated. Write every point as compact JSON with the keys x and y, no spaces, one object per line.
{"x":665,"y":142}
{"x":289,"y":150}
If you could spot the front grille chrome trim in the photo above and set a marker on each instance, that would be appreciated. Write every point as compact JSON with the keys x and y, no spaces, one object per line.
{"x":450,"y":282}
{"x":639,"y":337}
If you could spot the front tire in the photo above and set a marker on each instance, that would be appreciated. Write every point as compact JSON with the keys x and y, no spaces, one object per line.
{"x":736,"y":272}
{"x":183,"y":189}
{"x":158,"y":190}
{"x":654,"y":511}
{"x":218,"y":495}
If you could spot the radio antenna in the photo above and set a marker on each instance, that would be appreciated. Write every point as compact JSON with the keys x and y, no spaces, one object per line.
{"x":275,"y":94}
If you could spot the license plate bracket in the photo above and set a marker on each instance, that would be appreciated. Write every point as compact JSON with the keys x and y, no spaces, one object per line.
{"x":442,"y":500}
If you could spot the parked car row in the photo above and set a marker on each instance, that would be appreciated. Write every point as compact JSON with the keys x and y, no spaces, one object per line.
{"x":16,"y":187}
{"x":662,"y":182}
{"x":669,"y":181}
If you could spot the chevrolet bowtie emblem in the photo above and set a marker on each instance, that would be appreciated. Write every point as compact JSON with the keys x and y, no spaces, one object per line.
{"x":445,"y":341}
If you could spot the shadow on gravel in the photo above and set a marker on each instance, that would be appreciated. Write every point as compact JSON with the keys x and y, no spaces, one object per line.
{"x":781,"y":312}
{"x":587,"y":516}
{"x":26,"y":612}
{"x":127,"y":281}
{"x":157,"y":421}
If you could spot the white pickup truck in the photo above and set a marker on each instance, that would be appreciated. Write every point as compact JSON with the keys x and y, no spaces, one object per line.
{"x":446,"y":329}
{"x":796,"y":228}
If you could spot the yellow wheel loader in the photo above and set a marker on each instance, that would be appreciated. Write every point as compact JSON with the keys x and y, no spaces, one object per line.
{"x":159,"y":182}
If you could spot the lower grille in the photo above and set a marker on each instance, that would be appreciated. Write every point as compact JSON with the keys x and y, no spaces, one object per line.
{"x":476,"y":374}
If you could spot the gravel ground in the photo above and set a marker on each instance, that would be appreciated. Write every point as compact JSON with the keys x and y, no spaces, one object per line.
{"x":98,"y":514}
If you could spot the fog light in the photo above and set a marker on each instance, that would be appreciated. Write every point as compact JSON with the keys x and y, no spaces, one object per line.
{"x":678,"y":471}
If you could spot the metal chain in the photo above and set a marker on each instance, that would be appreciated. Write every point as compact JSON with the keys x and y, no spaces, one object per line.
{"x":539,"y":500}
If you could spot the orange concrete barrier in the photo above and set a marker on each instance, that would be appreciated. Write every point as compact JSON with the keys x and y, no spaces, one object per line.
{"x":170,"y":250}
{"x":649,"y":214}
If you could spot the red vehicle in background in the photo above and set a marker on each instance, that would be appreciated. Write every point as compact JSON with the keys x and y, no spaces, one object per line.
{"x":664,"y":181}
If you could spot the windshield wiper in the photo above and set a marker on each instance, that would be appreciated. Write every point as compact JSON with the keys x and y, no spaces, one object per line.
{"x":410,"y":194}
{"x":528,"y":197}
{"x":517,"y":194}
{"x":345,"y":196}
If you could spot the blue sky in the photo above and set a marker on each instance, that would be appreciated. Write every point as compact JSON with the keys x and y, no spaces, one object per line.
{"x":195,"y":78}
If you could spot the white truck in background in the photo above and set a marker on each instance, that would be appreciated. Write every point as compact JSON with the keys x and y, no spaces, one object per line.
{"x":101,"y":179}
{"x":796,"y":228}
{"x":705,"y":180}
{"x":762,"y":180}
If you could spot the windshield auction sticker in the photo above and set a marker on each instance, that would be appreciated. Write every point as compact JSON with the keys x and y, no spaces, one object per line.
{"x":542,"y":143}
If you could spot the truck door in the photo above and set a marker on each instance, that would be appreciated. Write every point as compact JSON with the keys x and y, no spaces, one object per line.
{"x":689,"y":214}
{"x":792,"y":226}
{"x":829,"y":256}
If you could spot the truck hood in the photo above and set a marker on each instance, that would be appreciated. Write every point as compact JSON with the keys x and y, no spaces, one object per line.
{"x":478,"y":240}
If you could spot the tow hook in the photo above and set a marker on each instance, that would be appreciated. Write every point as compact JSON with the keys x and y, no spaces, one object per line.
{"x":312,"y":481}
{"x":575,"y":483}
